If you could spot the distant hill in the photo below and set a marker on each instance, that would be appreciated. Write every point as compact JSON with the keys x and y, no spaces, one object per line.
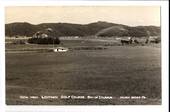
{"x":113,"y":31}
{"x":67,"y":29}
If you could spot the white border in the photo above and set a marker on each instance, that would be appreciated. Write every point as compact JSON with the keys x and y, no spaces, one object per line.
{"x":117,"y":108}
{"x":2,"y":61}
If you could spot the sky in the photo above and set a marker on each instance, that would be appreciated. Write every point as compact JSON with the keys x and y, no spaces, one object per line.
{"x":127,"y":15}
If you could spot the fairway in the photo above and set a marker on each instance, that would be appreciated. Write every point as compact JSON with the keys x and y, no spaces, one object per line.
{"x":114,"y":71}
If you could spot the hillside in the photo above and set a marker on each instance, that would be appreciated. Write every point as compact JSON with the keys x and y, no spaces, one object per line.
{"x":67,"y":29}
{"x":113,"y":31}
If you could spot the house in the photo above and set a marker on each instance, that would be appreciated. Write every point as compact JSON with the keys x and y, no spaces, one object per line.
{"x":46,"y":36}
{"x":43,"y":34}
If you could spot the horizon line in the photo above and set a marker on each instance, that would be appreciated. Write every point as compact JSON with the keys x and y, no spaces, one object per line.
{"x":80,"y":23}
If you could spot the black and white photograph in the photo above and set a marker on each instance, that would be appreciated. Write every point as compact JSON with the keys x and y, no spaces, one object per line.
{"x":83,"y":55}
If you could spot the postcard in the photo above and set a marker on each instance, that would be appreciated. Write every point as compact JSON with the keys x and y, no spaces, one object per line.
{"x":102,"y":55}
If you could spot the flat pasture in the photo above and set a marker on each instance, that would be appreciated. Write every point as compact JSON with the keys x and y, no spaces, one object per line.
{"x":115,"y":71}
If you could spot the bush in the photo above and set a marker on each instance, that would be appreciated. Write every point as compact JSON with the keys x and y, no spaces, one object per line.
{"x":157,"y":40}
{"x":48,"y":40}
{"x":18,"y":42}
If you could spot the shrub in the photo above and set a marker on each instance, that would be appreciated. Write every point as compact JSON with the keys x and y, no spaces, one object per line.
{"x":157,"y":40}
{"x":18,"y":42}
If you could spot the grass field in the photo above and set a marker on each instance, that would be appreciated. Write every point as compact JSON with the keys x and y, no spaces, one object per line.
{"x":114,"y":71}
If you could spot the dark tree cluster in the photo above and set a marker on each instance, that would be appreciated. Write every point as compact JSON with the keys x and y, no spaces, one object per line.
{"x":48,"y":40}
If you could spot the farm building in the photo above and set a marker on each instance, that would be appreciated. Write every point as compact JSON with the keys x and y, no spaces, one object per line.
{"x":46,"y":36}
{"x":147,"y":40}
{"x":139,"y":40}
{"x":44,"y":33}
